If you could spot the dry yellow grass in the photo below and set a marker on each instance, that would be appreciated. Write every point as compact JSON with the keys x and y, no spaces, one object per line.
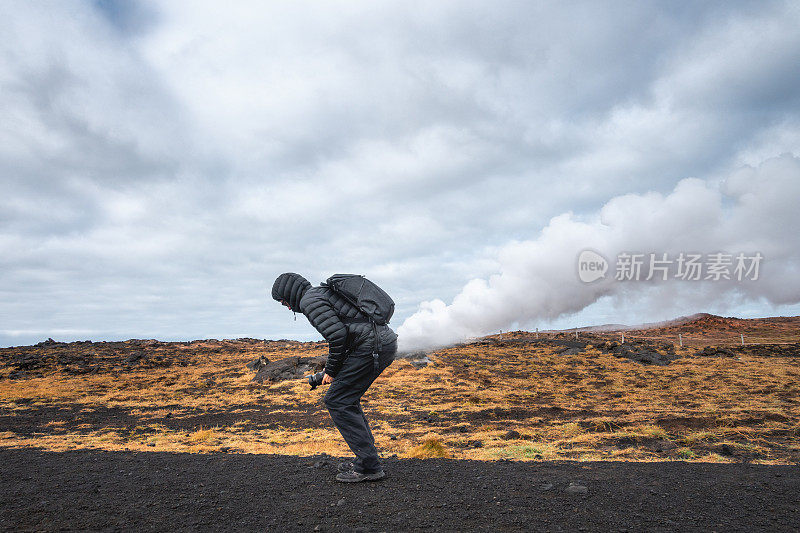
{"x":591,"y":406}
{"x":429,"y":448}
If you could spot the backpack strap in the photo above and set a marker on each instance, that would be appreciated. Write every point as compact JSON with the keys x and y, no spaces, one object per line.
{"x":376,"y":351}
{"x":377,"y":346}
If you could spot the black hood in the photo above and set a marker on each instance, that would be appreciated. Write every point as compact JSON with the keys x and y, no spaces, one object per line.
{"x":290,"y":287}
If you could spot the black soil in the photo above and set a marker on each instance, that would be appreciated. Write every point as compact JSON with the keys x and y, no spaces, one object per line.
{"x":98,"y":490}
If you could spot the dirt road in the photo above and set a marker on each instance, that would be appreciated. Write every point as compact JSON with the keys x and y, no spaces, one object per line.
{"x":135,"y":491}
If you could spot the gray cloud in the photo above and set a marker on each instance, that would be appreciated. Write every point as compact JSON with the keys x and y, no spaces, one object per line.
{"x":162,"y":162}
{"x":753,"y":214}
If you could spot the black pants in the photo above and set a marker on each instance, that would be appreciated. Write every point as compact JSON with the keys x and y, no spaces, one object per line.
{"x":343,"y":401}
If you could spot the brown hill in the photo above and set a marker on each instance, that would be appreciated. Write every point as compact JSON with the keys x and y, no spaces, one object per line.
{"x":705,"y":328}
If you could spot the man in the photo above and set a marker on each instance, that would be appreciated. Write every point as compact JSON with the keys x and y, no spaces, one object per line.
{"x":350,"y":368}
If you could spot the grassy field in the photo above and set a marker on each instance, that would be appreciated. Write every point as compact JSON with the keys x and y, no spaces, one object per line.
{"x":490,"y":400}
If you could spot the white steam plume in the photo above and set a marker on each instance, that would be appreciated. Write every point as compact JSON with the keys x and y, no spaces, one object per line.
{"x":754,"y":210}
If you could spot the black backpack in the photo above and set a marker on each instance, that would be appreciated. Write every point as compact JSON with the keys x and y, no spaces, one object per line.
{"x":365,"y":295}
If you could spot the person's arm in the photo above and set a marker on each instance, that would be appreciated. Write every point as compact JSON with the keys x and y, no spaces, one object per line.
{"x":325,"y":320}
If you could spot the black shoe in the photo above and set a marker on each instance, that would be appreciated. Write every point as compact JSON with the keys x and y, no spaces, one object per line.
{"x":346,"y":466}
{"x":355,"y":477}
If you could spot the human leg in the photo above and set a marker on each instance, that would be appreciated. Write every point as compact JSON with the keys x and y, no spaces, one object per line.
{"x":342,"y":401}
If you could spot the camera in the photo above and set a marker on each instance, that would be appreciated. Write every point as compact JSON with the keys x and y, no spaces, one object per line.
{"x":315,"y":380}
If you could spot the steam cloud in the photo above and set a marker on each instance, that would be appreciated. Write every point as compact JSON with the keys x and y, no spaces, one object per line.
{"x":753,"y":210}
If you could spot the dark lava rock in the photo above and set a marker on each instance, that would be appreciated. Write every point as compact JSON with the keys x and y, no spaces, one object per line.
{"x":715,"y":351}
{"x":663,"y":445}
{"x":290,"y":368}
{"x":626,"y":442}
{"x":257,"y":364}
{"x":726,"y":450}
{"x":421,"y":363}
{"x":571,"y":351}
{"x":646,"y":353}
{"x":29,"y":362}
{"x":135,"y":356}
{"x":771,"y":350}
{"x":512,"y":434}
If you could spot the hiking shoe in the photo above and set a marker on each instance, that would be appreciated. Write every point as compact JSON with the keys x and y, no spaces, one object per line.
{"x":355,"y":477}
{"x":346,"y":466}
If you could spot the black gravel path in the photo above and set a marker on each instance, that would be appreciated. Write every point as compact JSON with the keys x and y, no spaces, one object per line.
{"x":109,"y":491}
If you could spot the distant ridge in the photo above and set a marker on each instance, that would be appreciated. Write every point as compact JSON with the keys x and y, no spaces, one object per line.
{"x":680,"y":321}
{"x":707,"y":326}
{"x":698,"y":322}
{"x":699,"y":329}
{"x":606,"y":328}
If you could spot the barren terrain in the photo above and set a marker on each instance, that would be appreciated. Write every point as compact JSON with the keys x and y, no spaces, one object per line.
{"x":521,"y":397}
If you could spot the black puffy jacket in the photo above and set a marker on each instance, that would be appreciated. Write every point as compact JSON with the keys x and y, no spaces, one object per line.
{"x":330,"y":314}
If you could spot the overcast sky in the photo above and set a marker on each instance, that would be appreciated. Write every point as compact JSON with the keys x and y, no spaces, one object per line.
{"x":162,"y":162}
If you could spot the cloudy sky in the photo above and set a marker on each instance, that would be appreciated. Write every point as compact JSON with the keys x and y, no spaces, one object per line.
{"x":162,"y":162}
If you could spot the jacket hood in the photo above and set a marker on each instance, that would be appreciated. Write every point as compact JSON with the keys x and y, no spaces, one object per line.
{"x":290,"y":287}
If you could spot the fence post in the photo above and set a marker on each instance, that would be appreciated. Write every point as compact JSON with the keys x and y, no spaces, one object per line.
{"x":623,"y":338}
{"x":576,"y":334}
{"x":537,"y":333}
{"x":680,"y":340}
{"x":742,"y":337}
{"x":501,"y":334}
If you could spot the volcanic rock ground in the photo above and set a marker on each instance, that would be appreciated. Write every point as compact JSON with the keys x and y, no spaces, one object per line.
{"x":108,"y":491}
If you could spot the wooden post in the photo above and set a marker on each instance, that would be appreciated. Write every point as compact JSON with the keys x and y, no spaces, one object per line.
{"x":576,"y":334}
{"x":501,"y":334}
{"x":742,"y":337}
{"x":680,"y":340}
{"x":623,"y":338}
{"x":537,"y":333}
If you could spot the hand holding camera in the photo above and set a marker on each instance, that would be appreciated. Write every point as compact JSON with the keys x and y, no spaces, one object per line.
{"x":320,"y":378}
